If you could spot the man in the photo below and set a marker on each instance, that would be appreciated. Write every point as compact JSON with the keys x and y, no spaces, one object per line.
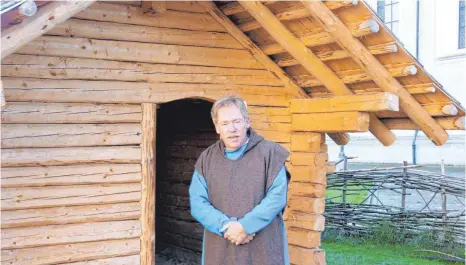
{"x":238,"y":192}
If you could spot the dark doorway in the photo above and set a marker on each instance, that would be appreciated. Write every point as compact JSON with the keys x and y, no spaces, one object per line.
{"x":184,"y":130}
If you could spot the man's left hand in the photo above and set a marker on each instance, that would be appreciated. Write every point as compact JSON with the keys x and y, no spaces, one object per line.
{"x":236,"y":233}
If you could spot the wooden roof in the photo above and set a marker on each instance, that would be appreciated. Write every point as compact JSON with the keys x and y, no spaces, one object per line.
{"x":334,"y":64}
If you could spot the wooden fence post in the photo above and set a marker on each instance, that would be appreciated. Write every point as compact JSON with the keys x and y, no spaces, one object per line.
{"x":444,"y":196}
{"x":403,"y":185}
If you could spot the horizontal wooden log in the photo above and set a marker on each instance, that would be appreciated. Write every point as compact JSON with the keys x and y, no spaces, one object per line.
{"x":309,"y":159}
{"x":310,"y":190}
{"x":341,"y":54}
{"x":306,"y":256}
{"x":71,"y":252}
{"x":176,"y":213}
{"x":70,"y":155}
{"x":70,"y":175}
{"x":366,"y":103}
{"x":303,"y":238}
{"x":139,"y":52}
{"x":271,"y":119}
{"x":127,"y":260}
{"x":181,"y":241}
{"x":268,"y":111}
{"x":135,"y":15}
{"x":434,"y":110}
{"x":26,"y":237}
{"x":124,"y":32}
{"x":306,"y":204}
{"x":357,"y":75}
{"x":188,"y":229}
{"x":45,"y":19}
{"x":292,"y":13}
{"x":278,"y":127}
{"x":18,"y":89}
{"x":68,"y":135}
{"x":275,"y":136}
{"x":358,"y":29}
{"x":178,"y":189}
{"x":33,"y":66}
{"x":315,"y":173}
{"x":450,"y":123}
{"x":306,"y":142}
{"x":71,"y":215}
{"x":179,"y":201}
{"x":308,"y":221}
{"x":331,"y":122}
{"x":43,"y":197}
{"x":37,"y":112}
{"x":331,"y":168}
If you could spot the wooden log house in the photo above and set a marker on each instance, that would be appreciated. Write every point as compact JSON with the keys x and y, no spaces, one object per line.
{"x":105,"y":108}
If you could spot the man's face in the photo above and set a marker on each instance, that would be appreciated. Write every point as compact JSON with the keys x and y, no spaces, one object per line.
{"x":232,"y":127}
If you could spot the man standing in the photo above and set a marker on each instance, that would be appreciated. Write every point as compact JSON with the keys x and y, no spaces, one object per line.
{"x":238,"y":192}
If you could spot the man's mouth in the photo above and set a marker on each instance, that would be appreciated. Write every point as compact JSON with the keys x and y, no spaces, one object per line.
{"x":233,"y":137}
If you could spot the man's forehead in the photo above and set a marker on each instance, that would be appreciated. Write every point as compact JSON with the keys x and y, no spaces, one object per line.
{"x":229,"y":112}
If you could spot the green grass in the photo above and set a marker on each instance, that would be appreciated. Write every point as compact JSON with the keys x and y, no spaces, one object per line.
{"x":349,"y":253}
{"x":353,"y":197}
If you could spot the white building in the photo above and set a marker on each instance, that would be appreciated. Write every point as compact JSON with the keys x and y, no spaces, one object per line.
{"x":433,"y":31}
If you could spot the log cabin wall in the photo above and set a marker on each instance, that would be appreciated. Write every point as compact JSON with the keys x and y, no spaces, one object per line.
{"x":71,"y":133}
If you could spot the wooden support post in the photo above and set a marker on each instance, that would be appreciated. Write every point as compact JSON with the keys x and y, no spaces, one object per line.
{"x":310,"y":62}
{"x":46,"y":18}
{"x":362,"y":56}
{"x":306,"y":197}
{"x":149,"y":123}
{"x":2,"y":96}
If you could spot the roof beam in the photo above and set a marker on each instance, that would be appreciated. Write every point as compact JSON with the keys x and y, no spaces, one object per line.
{"x":269,"y":64}
{"x":352,"y":121}
{"x":310,"y":62}
{"x":376,"y":70}
{"x":341,"y":54}
{"x":358,"y":76}
{"x":412,"y":89}
{"x":366,"y":103}
{"x":235,"y":8}
{"x":450,"y":123}
{"x":358,"y":29}
{"x":46,"y":18}
{"x":293,"y":13}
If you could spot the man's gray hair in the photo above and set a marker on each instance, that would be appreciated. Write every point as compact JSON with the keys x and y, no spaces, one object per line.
{"x":229,"y":101}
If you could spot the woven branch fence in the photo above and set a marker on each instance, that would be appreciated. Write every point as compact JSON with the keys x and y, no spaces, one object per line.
{"x":412,"y":200}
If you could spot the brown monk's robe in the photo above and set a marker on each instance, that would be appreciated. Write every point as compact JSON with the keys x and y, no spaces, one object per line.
{"x":235,"y":187}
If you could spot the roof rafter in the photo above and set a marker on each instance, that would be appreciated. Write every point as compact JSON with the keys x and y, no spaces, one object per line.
{"x":310,"y":62}
{"x":376,"y":70}
{"x":45,"y":19}
{"x":266,"y":61}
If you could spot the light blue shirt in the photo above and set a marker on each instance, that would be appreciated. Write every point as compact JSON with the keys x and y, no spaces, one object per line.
{"x":254,"y":221}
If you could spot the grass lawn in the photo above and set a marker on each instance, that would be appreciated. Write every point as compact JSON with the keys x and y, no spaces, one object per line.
{"x":347,"y":253}
{"x":353,"y":197}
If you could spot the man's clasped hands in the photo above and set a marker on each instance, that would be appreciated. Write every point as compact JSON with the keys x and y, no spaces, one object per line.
{"x":236,"y":234}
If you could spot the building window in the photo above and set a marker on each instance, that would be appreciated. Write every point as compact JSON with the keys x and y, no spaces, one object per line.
{"x":388,"y":11}
{"x":461,"y":26}
{"x":381,"y":10}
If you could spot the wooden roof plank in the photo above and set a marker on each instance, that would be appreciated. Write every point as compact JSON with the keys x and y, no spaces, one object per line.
{"x":376,"y":70}
{"x":45,"y":19}
{"x":310,"y":61}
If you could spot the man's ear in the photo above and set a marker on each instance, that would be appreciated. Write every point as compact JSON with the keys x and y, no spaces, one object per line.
{"x":216,"y":129}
